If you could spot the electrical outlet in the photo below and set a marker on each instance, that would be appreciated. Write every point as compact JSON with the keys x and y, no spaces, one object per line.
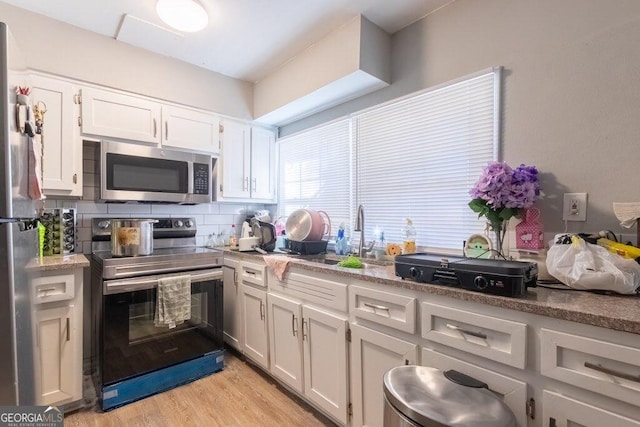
{"x":574,"y":207}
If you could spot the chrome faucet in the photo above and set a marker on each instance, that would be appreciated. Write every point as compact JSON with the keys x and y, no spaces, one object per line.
{"x":362,"y":251}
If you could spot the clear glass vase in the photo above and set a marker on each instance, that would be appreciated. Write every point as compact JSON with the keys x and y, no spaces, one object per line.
{"x":498,"y":230}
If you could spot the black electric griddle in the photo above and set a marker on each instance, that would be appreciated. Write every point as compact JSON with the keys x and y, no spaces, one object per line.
{"x":497,"y":277}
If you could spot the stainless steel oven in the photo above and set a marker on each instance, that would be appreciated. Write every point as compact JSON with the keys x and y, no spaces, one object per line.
{"x":134,"y":345}
{"x":136,"y":356}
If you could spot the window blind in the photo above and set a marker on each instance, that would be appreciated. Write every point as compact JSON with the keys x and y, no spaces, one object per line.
{"x":419,"y":157}
{"x":315,"y":172}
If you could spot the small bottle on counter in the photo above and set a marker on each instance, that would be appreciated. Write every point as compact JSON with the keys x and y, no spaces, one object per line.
{"x":233,"y":238}
{"x":408,"y":238}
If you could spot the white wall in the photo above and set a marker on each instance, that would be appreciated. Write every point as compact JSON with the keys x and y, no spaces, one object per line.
{"x":55,"y":47}
{"x":571,"y":92}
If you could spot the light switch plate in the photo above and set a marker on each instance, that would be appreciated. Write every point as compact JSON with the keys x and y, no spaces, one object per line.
{"x":574,"y":207}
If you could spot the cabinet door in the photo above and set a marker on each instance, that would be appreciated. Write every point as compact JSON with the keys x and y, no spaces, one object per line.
{"x":284,"y":336}
{"x":512,"y":391}
{"x":236,"y":147}
{"x":58,"y":371}
{"x":562,"y":411}
{"x":372,"y":354}
{"x":116,"y":115}
{"x":263,"y":144}
{"x":185,"y":128}
{"x":62,"y":160}
{"x":325,"y":361}
{"x":254,"y":308}
{"x":232,"y":309}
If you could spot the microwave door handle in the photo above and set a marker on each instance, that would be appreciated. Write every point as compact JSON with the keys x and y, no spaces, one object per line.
{"x":190,"y":187}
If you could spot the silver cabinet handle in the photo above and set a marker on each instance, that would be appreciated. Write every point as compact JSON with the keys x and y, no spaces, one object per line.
{"x":261,"y":311}
{"x":294,"y":325}
{"x":467,"y":332}
{"x":245,"y":183}
{"x":255,"y":184}
{"x":155,"y":128}
{"x":166,"y":129}
{"x":304,"y":328}
{"x":75,"y":178}
{"x":376,"y":306}
{"x":68,"y":333}
{"x":613,"y":372}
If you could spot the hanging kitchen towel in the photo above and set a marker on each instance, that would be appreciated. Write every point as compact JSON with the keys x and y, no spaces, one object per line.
{"x":35,"y":168}
{"x":173,"y":301}
{"x":278,"y":264}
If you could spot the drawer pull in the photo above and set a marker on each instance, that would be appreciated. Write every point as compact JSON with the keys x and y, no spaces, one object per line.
{"x":467,"y":332}
{"x":376,"y":306}
{"x":68,"y":332}
{"x":47,"y":290}
{"x":261,"y":311}
{"x":608,"y":371}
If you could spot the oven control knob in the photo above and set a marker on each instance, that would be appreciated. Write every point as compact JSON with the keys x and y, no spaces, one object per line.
{"x":414,"y":272}
{"x":178,"y":224}
{"x":188,"y":223}
{"x":480,"y":282}
{"x":104,"y":224}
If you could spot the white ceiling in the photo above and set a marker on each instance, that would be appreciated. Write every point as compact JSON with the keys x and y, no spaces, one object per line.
{"x":245,"y":39}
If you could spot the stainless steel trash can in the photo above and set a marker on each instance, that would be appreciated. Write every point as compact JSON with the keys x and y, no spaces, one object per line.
{"x":418,"y":396}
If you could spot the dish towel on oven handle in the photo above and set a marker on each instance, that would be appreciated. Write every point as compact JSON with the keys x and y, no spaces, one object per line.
{"x":173,"y":301}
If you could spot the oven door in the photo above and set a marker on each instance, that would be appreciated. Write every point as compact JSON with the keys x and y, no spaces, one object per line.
{"x":131,"y":343}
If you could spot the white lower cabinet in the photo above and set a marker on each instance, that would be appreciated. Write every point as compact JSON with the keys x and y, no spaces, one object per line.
{"x":232,"y":313}
{"x":309,"y":353}
{"x":562,"y":411}
{"x":57,"y":332}
{"x":254,"y":329}
{"x":372,"y":354}
{"x":512,"y":391}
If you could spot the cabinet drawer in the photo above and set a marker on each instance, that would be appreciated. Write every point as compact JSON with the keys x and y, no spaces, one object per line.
{"x":559,"y":410}
{"x":52,"y":288}
{"x":513,"y":392}
{"x":600,"y":366}
{"x":254,"y":274}
{"x":497,"y":339}
{"x":385,"y":308}
{"x":312,"y":289}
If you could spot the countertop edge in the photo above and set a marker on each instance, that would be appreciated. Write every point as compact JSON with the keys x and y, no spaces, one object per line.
{"x":57,"y":262}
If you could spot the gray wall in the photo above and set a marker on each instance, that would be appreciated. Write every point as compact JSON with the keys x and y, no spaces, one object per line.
{"x":571,"y":92}
{"x":65,"y":50}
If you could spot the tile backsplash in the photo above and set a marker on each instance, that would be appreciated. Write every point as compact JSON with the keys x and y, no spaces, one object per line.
{"x":210,"y":218}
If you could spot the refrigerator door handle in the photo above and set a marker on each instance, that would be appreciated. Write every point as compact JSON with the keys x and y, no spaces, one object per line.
{"x":24,"y":224}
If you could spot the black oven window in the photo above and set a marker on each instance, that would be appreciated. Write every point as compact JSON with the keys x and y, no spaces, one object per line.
{"x":144,"y":174}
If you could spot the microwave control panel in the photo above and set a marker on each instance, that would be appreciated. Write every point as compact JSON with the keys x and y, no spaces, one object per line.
{"x":200,"y":178}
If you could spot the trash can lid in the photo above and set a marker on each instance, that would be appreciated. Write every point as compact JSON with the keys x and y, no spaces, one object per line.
{"x":425,"y":395}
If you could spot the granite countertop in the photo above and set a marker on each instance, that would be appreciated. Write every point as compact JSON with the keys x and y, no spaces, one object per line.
{"x":57,"y":262}
{"x":619,"y":312}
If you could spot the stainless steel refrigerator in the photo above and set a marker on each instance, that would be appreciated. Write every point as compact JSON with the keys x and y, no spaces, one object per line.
{"x":18,"y":238}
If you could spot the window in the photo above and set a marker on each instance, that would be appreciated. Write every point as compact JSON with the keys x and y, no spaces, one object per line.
{"x":416,"y":157}
{"x":315,"y":174}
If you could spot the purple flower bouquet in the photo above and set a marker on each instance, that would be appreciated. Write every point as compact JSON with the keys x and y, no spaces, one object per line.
{"x":502,"y":192}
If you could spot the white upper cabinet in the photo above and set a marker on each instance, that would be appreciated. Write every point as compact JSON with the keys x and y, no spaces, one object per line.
{"x":236,"y":160}
{"x":117,"y":115}
{"x":191,"y":129}
{"x":263,"y":149}
{"x":113,"y":114}
{"x":62,"y":146}
{"x":248,"y":162}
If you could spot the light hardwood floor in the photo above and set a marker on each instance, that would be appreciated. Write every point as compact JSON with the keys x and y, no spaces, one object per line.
{"x":239,"y":395}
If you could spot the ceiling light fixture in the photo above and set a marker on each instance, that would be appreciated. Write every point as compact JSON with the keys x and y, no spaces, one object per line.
{"x":183,"y":15}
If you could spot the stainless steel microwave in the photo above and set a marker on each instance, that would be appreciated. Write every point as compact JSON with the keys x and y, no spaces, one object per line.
{"x":130,"y":172}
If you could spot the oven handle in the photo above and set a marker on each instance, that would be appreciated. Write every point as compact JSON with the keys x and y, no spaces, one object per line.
{"x":149,"y":282}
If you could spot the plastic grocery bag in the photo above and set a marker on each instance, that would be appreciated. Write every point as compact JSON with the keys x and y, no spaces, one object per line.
{"x":584,"y":266}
